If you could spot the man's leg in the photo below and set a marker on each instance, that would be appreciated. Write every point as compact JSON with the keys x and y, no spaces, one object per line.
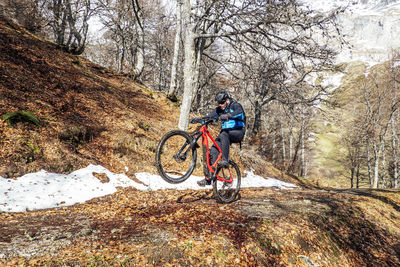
{"x":236,"y":136}
{"x":223,"y":142}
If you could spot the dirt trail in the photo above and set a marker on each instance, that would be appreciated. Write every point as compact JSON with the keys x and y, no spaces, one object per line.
{"x":264,"y":227}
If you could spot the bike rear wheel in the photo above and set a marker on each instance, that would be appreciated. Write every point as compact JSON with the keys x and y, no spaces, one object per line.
{"x":227,"y":192}
{"x":175,"y":160}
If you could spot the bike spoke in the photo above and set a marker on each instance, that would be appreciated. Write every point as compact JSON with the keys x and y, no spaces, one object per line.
{"x":174,"y":158}
{"x":227,"y":186}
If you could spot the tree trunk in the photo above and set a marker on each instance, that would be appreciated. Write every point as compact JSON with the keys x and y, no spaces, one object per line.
{"x":122,"y":58}
{"x":378,"y":152}
{"x":395,"y":159}
{"x":283,"y":146}
{"x":77,"y":39}
{"x":291,"y":139}
{"x":274,"y":147}
{"x":302,"y":168}
{"x":189,"y":66}
{"x":196,"y":75}
{"x":139,"y":62}
{"x":369,"y":164}
{"x":59,"y":21}
{"x":352,"y":177}
{"x":384,"y":180}
{"x":257,"y":119}
{"x":174,"y":68}
{"x":296,"y":151}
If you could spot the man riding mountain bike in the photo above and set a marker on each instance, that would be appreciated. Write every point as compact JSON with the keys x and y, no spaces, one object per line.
{"x":233,"y":129}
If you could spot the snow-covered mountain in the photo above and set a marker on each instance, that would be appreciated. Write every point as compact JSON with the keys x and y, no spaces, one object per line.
{"x":372,"y":28}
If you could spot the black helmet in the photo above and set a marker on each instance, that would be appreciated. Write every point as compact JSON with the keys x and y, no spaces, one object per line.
{"x":221,"y":96}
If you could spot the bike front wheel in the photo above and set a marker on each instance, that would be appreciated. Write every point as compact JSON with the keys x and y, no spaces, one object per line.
{"x":227,"y":192}
{"x":175,"y":160}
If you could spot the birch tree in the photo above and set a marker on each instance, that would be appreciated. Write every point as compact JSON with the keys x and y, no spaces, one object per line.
{"x":177,"y":41}
{"x":189,"y":63}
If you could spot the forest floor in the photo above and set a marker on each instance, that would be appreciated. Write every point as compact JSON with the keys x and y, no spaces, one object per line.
{"x":84,"y":114}
{"x":188,"y":228}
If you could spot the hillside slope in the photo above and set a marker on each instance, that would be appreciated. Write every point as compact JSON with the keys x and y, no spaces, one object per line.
{"x":88,"y":114}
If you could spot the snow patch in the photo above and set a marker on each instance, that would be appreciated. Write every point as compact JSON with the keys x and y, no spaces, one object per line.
{"x":42,"y":190}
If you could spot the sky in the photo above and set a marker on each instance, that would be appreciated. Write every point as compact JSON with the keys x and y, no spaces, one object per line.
{"x":42,"y":190}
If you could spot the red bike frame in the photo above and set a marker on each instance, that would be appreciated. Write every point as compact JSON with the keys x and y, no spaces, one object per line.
{"x":205,"y":134}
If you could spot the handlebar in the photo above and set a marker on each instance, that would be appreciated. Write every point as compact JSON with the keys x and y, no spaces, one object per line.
{"x":203,"y":120}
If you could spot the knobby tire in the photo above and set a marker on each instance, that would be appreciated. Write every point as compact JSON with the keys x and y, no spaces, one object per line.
{"x":168,"y":146}
{"x":224,"y":192}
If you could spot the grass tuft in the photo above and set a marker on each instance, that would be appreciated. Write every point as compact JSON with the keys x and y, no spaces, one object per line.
{"x":21,"y":116}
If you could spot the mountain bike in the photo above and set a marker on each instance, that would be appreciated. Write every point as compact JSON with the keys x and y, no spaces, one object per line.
{"x":176,"y":157}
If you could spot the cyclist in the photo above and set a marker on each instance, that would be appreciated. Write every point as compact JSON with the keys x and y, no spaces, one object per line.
{"x":233,"y":129}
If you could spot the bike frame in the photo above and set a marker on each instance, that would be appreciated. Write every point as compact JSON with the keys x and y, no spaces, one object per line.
{"x":202,"y":131}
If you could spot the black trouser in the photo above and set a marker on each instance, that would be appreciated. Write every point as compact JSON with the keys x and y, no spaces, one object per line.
{"x":224,"y":139}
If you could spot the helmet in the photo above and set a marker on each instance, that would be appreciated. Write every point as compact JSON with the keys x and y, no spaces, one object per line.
{"x":221,"y":96}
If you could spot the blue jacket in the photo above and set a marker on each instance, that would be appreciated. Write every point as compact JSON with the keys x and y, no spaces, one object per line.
{"x":237,"y":117}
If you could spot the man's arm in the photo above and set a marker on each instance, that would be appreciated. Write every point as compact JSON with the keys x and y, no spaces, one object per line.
{"x":213,"y":114}
{"x":236,"y":109}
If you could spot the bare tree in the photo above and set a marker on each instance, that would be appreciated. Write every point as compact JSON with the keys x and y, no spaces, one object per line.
{"x":372,"y":131}
{"x":117,"y":18}
{"x":159,"y":46}
{"x":280,"y":27}
{"x":69,"y":23}
{"x":394,"y":82}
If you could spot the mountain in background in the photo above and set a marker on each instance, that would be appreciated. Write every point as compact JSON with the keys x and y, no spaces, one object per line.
{"x":371,"y":30}
{"x":370,"y":27}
